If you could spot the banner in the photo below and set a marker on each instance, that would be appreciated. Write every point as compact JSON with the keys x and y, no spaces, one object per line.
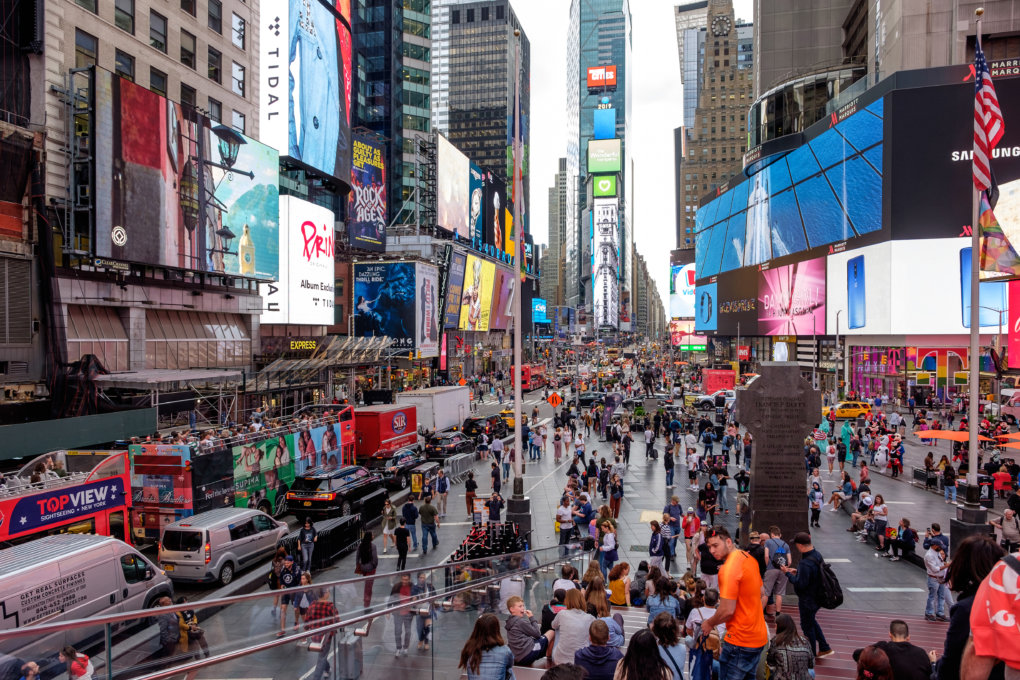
{"x":476,"y":187}
{"x":452,"y":200}
{"x":367,"y":207}
{"x":477,"y":296}
{"x":502,"y":299}
{"x":791,"y":299}
{"x":454,"y":290}
{"x":606,"y":263}
{"x":384,"y":302}
{"x":427,"y":310}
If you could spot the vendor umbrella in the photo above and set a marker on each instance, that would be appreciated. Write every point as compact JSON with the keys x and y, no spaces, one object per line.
{"x":1011,"y":435}
{"x":953,"y":435}
{"x":1010,"y":445}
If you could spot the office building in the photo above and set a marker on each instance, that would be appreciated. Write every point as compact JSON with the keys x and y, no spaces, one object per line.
{"x":552,"y":267}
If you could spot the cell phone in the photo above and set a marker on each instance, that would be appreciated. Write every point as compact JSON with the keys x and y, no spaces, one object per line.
{"x":855,"y":292}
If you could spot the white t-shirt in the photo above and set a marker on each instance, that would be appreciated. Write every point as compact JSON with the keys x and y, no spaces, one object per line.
{"x":691,"y":441}
{"x":699,"y":614}
{"x":565,"y":515}
{"x":881,"y":513}
{"x":564,"y":584}
{"x":830,"y":452}
{"x":578,"y":441}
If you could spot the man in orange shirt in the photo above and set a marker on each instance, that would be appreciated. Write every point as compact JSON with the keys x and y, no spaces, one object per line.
{"x":739,"y":608}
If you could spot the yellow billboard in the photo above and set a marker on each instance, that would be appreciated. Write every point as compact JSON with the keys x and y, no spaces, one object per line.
{"x":476,"y":300}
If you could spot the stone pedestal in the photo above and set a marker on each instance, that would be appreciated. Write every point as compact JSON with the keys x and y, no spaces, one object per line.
{"x":518,"y":509}
{"x":971,"y":519}
{"x":779,"y":408}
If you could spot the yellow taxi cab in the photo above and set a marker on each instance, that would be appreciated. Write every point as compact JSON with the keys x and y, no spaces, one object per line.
{"x":507,"y":415}
{"x":850,"y":409}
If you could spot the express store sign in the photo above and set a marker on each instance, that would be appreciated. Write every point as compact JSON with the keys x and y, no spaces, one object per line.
{"x":40,"y":510}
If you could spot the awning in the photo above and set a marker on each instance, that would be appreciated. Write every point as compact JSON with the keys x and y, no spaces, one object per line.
{"x":168,"y":379}
{"x":338,"y":351}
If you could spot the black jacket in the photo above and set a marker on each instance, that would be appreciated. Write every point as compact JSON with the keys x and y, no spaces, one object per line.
{"x":807,"y":581}
{"x":948,"y":666}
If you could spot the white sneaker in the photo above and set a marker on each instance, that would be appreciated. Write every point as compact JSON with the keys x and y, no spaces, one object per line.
{"x":384,"y":551}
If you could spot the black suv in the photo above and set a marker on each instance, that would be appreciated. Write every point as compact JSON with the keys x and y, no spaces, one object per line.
{"x":395,"y":466}
{"x":493,"y":425}
{"x":449,"y":444}
{"x":336,"y":492}
{"x":587,"y":399}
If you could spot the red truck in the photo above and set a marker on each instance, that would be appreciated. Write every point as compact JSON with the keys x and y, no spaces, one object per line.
{"x":383,"y":428}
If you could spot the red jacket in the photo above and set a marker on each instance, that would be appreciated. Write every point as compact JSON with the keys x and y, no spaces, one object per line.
{"x":691,"y":525}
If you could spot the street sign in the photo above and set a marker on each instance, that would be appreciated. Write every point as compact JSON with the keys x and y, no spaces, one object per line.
{"x":555,"y":400}
{"x":462,"y":382}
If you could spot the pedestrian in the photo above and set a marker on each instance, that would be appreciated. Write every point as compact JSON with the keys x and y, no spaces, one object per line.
{"x":722,"y":486}
{"x":389,"y":524}
{"x":816,"y":498}
{"x":558,"y":445}
{"x":608,"y":547}
{"x":524,"y":635}
{"x":565,"y":518}
{"x":579,"y":446}
{"x":655,"y":545}
{"x":1009,"y":531}
{"x":442,"y":491}
{"x":401,"y":596}
{"x":739,"y":608}
{"x":703,"y":641}
{"x":873,"y":664}
{"x":273,"y":579}
{"x":307,"y":538}
{"x":669,"y":465}
{"x":599,"y":658}
{"x":777,"y":556}
{"x":707,"y":503}
{"x":424,"y":615}
{"x":807,"y":582}
{"x":667,"y":635}
{"x":400,"y":539}
{"x":495,"y":479}
{"x":322,"y":612}
{"x":78,"y":665}
{"x":571,"y":625}
{"x":191,"y":631}
{"x":30,"y":671}
{"x":409,"y":511}
{"x":494,"y":505}
{"x":905,"y":540}
{"x":485,"y":655}
{"x":290,"y":579}
{"x":906,"y":660}
{"x":642,"y":660}
{"x":497,"y":448}
{"x":470,"y":492}
{"x":429,"y":524}
{"x":789,"y":657}
{"x":668,"y":543}
{"x":615,"y":495}
{"x":690,"y":525}
{"x":367,"y":563}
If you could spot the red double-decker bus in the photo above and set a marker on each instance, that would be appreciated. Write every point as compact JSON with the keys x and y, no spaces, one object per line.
{"x":533,"y":377}
{"x":77,"y":492}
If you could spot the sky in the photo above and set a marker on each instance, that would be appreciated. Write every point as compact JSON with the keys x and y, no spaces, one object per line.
{"x":657,"y":109}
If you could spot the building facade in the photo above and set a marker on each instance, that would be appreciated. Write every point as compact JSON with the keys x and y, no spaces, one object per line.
{"x":553,"y":266}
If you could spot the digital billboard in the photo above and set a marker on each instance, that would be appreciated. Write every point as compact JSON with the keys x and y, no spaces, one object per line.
{"x":384,"y":302}
{"x":604,"y":155}
{"x":681,"y":291}
{"x":304,"y":293}
{"x":305,"y":86}
{"x":427,"y":310}
{"x":175,"y":189}
{"x":454,"y":290}
{"x":791,"y":299}
{"x":476,"y":187}
{"x":502,"y":298}
{"x":857,"y":287}
{"x":366,"y":218}
{"x":602,"y":76}
{"x":476,"y":298}
{"x":603,"y":186}
{"x":604,"y":123}
{"x":539,"y":311}
{"x":453,"y":200}
{"x":606,"y":263}
{"x":494,"y":212}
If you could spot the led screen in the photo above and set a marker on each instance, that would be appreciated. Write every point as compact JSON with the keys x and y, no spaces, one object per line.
{"x":476,"y":298}
{"x":603,"y":186}
{"x":604,"y":155}
{"x":502,"y":298}
{"x":606,"y":263}
{"x":453,"y":200}
{"x":538,"y":311}
{"x":791,"y":299}
{"x":494,"y":212}
{"x":177,"y":189}
{"x":305,"y":87}
{"x":426,"y":311}
{"x":366,"y":218}
{"x":476,"y":189}
{"x":384,"y":302}
{"x":681,"y":291}
{"x":454,"y":290}
{"x":604,"y":123}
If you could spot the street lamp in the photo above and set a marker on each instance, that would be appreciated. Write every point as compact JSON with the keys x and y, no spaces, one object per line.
{"x":839,"y":352}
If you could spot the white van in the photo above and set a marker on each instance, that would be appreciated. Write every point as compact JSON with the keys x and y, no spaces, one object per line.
{"x":72,"y":576}
{"x":213,"y":545}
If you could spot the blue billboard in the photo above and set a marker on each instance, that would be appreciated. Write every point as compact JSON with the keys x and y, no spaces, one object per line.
{"x":604,"y":123}
{"x":539,"y":311}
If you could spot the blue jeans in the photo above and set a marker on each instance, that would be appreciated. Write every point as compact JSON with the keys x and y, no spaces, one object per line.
{"x":322,"y":662}
{"x":738,"y":663}
{"x":812,"y":631}
{"x":702,"y":660}
{"x":721,"y":498}
{"x":413,"y":528}
{"x":669,"y":476}
{"x":950,"y":490}
{"x":938,"y":598}
{"x":306,"y":556}
{"x":426,"y":531}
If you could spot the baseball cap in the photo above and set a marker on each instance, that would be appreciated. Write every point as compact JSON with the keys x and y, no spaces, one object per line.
{"x":690,"y":509}
{"x":288,"y":558}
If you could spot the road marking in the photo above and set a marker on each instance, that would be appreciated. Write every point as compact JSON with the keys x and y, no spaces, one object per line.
{"x":900,"y":503}
{"x":554,"y":471}
{"x":886,"y":590}
{"x":837,"y":559}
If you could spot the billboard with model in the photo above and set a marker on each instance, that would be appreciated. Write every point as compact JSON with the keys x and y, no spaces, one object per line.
{"x":453,"y":200}
{"x":494,"y":212}
{"x":305,"y":87}
{"x":304,"y":293}
{"x":427,"y":310}
{"x":476,"y":189}
{"x":681,"y":291}
{"x":476,"y":297}
{"x":606,"y":263}
{"x":384,"y":301}
{"x":502,"y":298}
{"x":176,"y":189}
{"x":366,"y":213}
{"x":454,"y":290}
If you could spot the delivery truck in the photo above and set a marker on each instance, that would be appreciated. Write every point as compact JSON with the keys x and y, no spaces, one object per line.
{"x":439,"y":408}
{"x":383,"y":428}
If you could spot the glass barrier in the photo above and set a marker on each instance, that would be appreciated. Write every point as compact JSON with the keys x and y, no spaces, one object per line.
{"x":414,"y":621}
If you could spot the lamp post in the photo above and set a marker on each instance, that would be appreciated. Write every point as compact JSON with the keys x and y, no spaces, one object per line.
{"x":839,"y":353}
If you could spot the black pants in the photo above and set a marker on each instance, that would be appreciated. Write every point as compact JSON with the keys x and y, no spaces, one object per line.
{"x":401,"y":559}
{"x":897,"y":546}
{"x":812,"y":631}
{"x":816,"y":514}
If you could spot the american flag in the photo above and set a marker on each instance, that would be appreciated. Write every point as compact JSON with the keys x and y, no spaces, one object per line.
{"x":988,"y":124}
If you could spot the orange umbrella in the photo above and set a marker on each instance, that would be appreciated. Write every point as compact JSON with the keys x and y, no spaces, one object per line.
{"x":1010,"y":445}
{"x":954,"y":435}
{"x":1011,"y":435}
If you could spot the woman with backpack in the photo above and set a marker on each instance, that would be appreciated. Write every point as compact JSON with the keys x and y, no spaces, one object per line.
{"x":667,"y":462}
{"x":703,"y":647}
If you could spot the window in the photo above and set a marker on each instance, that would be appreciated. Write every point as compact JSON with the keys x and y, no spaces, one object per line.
{"x":485,"y":14}
{"x":189,"y":6}
{"x":188,"y":97}
{"x":470,"y":15}
{"x":237,"y":76}
{"x":215,"y":65}
{"x":90,"y":5}
{"x":263,"y":523}
{"x":124,"y":66}
{"x":157,"y":81}
{"x":455,"y":17}
{"x":237,"y":121}
{"x":216,"y":15}
{"x":215,"y":110}
{"x":187,"y":49}
{"x":157,"y":31}
{"x":242,"y":530}
{"x":499,"y":13}
{"x":86,"y":49}
{"x":237,"y":31}
{"x":135,"y":569}
{"x":124,"y":15}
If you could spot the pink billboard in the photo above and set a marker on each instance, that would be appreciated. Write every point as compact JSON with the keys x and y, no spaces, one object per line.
{"x":791,"y":299}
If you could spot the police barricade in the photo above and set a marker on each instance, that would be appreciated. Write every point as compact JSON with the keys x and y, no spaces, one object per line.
{"x":336,"y":537}
{"x":457,"y":467}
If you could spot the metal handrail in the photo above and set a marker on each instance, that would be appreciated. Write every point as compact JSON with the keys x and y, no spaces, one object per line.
{"x":226,"y":601}
{"x":333,"y":627}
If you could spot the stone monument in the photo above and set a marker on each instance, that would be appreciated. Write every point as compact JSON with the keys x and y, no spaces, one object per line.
{"x":779,"y":409}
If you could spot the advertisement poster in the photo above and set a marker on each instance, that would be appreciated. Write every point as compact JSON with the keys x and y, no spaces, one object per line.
{"x":706,"y":316}
{"x":316,"y":447}
{"x":454,"y":290}
{"x":1013,"y":346}
{"x":676,"y":333}
{"x":367,"y":208}
{"x":304,"y":293}
{"x":384,"y":302}
{"x":427,"y":310}
{"x":476,"y":186}
{"x":305,"y":83}
{"x":263,"y":472}
{"x":603,"y":186}
{"x":181,"y":191}
{"x":494,"y":212}
{"x":502,"y":299}
{"x":452,"y":200}
{"x":476,"y":299}
{"x":604,"y":123}
{"x":791,"y":299}
{"x":681,"y":291}
{"x":539,"y":311}
{"x":604,"y":155}
{"x":606,"y":264}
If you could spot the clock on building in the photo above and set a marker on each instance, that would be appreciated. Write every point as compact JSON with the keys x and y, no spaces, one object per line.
{"x":721,"y":25}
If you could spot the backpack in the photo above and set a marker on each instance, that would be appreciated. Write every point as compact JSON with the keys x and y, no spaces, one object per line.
{"x":830,"y":594}
{"x":781,"y":557}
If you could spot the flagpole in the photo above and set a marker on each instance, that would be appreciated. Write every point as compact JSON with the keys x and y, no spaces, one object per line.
{"x":973,"y":496}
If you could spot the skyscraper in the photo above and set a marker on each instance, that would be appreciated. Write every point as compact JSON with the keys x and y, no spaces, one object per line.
{"x":552,"y":267}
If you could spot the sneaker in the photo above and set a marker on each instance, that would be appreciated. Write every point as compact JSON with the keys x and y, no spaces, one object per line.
{"x":863,"y":539}
{"x":929,"y":617}
{"x":894,"y":559}
{"x":397,"y":653}
{"x":827,"y":652}
{"x":421,"y":645}
{"x":384,"y":551}
{"x":833,"y":509}
{"x":942,"y":617}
